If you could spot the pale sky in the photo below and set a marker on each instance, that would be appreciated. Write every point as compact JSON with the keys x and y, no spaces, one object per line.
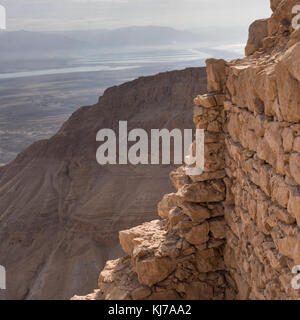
{"x":42,"y":15}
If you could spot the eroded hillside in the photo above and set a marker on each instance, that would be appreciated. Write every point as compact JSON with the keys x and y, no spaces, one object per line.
{"x":60,"y":211}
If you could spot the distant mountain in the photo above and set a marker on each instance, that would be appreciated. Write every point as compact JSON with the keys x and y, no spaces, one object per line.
{"x":134,"y":36}
{"x":22,"y":45}
{"x":27,"y":43}
{"x":22,"y":42}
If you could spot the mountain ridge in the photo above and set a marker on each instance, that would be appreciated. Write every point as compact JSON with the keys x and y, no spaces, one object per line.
{"x":60,"y":211}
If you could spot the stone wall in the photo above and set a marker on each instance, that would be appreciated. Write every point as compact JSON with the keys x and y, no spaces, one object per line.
{"x":262,"y":106}
{"x":232,"y":232}
{"x":182,"y":255}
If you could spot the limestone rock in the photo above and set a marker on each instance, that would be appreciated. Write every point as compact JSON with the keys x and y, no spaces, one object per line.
{"x":198,"y":235}
{"x":295,"y":166}
{"x":153,"y":270}
{"x":218,"y":228}
{"x":168,"y":202}
{"x":196,"y":212}
{"x":290,"y":247}
{"x":203,"y":192}
{"x":117,"y":280}
{"x":288,"y":138}
{"x":257,"y":32}
{"x":294,"y":204}
{"x":275,"y":4}
{"x":291,"y":59}
{"x":141,"y":293}
{"x":209,"y":260}
{"x":220,"y":174}
{"x":281,"y":19}
{"x":296,"y":144}
{"x":199,"y":291}
{"x":96,"y":295}
{"x":216,"y":75}
{"x":179,"y":178}
{"x":288,"y":83}
{"x":206,"y":101}
{"x":176,"y":215}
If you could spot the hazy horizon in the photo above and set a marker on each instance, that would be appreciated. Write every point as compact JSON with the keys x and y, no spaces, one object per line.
{"x":63,"y":15}
{"x":192,"y":30}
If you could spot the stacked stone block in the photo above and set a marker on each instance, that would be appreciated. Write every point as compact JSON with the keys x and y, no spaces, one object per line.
{"x":181,"y":256}
{"x":262,"y":164}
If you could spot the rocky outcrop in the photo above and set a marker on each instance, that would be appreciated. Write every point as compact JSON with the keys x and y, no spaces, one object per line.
{"x":60,"y":211}
{"x":258,"y":31}
{"x":180,"y":256}
{"x":233,"y":232}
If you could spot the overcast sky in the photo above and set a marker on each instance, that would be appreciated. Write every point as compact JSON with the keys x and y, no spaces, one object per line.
{"x":109,"y":14}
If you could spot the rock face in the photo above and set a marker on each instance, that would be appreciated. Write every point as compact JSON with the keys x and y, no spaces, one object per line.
{"x":180,"y":257}
{"x":60,"y":211}
{"x":233,"y":232}
{"x":258,"y":31}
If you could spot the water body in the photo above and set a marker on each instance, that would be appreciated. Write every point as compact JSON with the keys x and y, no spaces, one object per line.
{"x":116,"y":61}
{"x":168,"y":59}
{"x":46,"y":72}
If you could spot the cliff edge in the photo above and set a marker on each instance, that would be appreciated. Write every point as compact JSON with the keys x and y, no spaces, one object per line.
{"x":232,"y":232}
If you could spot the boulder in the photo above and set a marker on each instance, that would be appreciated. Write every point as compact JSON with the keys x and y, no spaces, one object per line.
{"x":295,"y":166}
{"x":258,"y":30}
{"x":198,"y":234}
{"x":217,"y":228}
{"x":294,"y":204}
{"x":208,"y":191}
{"x":216,"y":75}
{"x":153,"y":270}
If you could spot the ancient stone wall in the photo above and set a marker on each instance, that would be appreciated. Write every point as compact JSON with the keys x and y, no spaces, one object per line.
{"x":232,"y":232}
{"x":262,"y":107}
{"x":182,"y":255}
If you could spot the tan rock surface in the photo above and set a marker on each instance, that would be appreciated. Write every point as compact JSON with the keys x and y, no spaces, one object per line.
{"x":257,"y":32}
